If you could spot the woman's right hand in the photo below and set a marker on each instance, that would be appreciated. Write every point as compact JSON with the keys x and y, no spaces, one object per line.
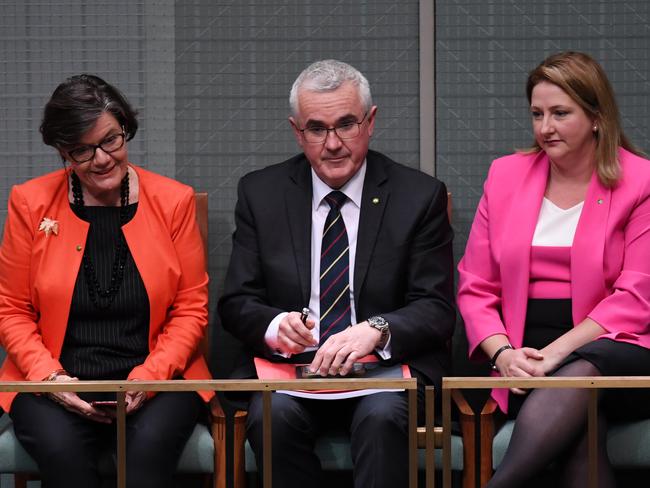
{"x":71,"y":402}
{"x":522,"y":362}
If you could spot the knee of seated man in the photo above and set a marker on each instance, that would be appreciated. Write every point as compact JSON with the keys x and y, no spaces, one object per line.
{"x":382,"y":410}
{"x":286,"y":414}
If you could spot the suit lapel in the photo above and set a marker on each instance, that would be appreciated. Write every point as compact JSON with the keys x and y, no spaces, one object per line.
{"x":298,"y":203}
{"x":139,"y":233}
{"x":59,"y":267}
{"x":517,"y":240}
{"x":373,"y":203}
{"x":587,"y":251}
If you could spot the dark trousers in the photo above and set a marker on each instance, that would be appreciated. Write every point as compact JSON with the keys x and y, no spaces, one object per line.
{"x":66,"y":446}
{"x":378,"y":428}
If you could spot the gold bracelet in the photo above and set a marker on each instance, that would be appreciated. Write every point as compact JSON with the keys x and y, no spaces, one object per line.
{"x":53,"y":375}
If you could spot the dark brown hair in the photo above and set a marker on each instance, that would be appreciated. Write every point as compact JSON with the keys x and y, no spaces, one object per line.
{"x":75,"y":106}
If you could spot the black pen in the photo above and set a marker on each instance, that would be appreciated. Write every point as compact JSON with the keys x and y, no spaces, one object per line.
{"x":304,"y":315}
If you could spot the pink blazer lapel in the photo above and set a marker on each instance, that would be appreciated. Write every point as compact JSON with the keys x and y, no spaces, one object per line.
{"x":587,"y":252}
{"x":515,"y":252}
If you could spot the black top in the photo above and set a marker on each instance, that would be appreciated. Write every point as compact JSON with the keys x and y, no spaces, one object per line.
{"x":106,"y":343}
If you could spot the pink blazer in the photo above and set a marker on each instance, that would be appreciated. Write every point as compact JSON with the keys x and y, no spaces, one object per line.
{"x":38,"y":274}
{"x":610,"y":256}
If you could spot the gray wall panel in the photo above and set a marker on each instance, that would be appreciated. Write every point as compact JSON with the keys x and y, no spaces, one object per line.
{"x":235,"y":64}
{"x":211,"y":80}
{"x":42,"y":43}
{"x":484,"y":51}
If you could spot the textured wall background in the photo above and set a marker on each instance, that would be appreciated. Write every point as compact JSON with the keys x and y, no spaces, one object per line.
{"x":484,"y":51}
{"x":235,"y":64}
{"x":211,"y":80}
{"x":42,"y":43}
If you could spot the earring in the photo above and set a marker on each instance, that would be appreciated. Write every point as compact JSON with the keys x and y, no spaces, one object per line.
{"x":595,"y":128}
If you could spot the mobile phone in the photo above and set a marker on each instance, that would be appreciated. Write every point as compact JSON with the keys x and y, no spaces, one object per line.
{"x":110,"y":405}
{"x":303,"y":372}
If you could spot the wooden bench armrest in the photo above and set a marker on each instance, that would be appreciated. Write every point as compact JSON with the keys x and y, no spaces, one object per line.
{"x":216,"y":410}
{"x":463,"y":407}
{"x":487,"y":433}
{"x":218,"y":428}
{"x":467,"y":421}
{"x":489,"y":408}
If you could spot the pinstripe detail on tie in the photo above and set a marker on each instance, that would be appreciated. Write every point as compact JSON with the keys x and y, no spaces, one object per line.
{"x":334,"y":271}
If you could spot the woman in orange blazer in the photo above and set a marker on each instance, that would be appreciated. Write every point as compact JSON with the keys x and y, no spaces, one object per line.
{"x":102,"y":276}
{"x":556,"y":275}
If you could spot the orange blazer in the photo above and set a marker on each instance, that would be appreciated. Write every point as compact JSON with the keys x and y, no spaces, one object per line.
{"x":38,"y":273}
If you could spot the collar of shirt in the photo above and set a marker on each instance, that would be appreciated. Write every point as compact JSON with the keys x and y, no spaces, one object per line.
{"x":353,"y":189}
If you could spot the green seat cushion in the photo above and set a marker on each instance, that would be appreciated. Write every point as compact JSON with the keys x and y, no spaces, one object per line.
{"x":500,"y":442}
{"x":197,"y":456}
{"x":198,"y":453}
{"x":333,"y":450}
{"x":13,"y":458}
{"x":628,"y":444}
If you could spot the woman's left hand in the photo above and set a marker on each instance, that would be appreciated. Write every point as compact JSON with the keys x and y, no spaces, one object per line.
{"x":135,"y":400}
{"x":550,"y":362}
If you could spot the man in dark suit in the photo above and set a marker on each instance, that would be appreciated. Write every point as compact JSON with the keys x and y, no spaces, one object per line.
{"x":365,"y":244}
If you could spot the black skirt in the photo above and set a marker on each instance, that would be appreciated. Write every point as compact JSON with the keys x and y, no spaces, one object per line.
{"x":548,"y":319}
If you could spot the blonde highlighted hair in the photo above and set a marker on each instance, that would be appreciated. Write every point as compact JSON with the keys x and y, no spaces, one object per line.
{"x":585,"y":81}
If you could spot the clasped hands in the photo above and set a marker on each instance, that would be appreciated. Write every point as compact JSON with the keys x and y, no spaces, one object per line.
{"x":73,"y":403}
{"x":337,"y":354}
{"x":525,"y":362}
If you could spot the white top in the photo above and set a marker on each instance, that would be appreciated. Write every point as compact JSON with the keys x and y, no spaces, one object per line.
{"x":556,"y":226}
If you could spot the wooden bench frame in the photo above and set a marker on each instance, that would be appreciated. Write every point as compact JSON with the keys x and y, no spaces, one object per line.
{"x":592,"y":383}
{"x":266,"y":387}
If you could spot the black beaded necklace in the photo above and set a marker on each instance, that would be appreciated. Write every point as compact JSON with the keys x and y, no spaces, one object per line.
{"x":103,"y":299}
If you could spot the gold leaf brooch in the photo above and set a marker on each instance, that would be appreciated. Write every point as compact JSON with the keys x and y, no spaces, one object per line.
{"x":49,"y":226}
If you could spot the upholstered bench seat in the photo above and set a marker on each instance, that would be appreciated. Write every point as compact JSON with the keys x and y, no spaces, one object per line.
{"x":628,"y":444}
{"x":13,"y":458}
{"x":197,"y":456}
{"x":333,"y":450}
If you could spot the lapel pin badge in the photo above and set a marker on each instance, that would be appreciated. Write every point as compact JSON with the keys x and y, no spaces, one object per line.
{"x":600,"y":201}
{"x":49,"y":226}
{"x":375,"y":200}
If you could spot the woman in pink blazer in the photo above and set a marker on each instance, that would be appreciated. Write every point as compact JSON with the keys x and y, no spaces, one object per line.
{"x":555,"y":279}
{"x":102,"y":276}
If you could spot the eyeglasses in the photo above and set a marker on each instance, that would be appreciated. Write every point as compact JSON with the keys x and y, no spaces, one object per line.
{"x":109,"y":145}
{"x":318,"y":135}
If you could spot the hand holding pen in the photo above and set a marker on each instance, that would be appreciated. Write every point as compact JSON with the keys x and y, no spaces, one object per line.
{"x":304,"y":315}
{"x":295,"y":332}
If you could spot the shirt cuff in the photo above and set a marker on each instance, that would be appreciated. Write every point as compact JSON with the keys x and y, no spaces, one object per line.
{"x":271,"y":335}
{"x":387,"y":351}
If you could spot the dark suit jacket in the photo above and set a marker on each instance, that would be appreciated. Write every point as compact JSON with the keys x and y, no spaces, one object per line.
{"x":403,"y":268}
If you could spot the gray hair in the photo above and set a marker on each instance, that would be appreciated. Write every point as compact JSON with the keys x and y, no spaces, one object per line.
{"x":328,"y":75}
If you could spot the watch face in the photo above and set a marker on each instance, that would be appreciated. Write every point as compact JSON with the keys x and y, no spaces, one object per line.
{"x":381,"y":325}
{"x":378,"y":322}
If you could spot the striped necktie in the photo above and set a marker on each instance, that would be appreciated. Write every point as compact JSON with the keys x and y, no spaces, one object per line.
{"x":334,"y":271}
